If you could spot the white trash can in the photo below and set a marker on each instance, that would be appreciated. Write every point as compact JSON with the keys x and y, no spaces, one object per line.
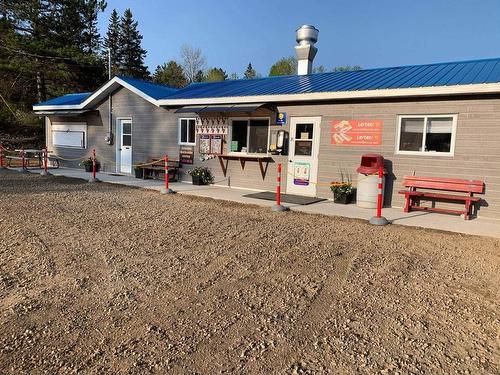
{"x":367,"y":190}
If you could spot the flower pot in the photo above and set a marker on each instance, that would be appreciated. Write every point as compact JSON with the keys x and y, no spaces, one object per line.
{"x":343,"y":199}
{"x":88,"y":168}
{"x":139,"y":172}
{"x":198,"y":180}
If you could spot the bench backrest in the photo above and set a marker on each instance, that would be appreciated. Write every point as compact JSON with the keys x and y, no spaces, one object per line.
{"x":449,"y":184}
{"x":159,"y":161}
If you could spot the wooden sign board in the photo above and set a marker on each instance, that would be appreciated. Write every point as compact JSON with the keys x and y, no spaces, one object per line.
{"x":186,"y":154}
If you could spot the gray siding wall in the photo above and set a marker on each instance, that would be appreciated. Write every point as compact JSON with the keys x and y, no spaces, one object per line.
{"x":476,"y":156}
{"x":476,"y":147}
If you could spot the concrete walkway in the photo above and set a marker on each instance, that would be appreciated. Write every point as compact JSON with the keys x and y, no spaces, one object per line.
{"x":479,"y":226}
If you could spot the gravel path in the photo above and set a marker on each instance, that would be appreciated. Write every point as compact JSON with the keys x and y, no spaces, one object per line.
{"x":104,"y":279}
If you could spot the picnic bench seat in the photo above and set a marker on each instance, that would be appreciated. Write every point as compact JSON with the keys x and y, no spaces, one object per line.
{"x":17,"y":161}
{"x":155,"y":169}
{"x":433,"y":185}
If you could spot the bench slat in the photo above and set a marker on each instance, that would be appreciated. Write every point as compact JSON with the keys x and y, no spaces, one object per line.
{"x":425,"y":194}
{"x":448,"y":184}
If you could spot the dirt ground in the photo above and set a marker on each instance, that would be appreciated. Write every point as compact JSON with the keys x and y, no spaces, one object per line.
{"x":103,"y":279}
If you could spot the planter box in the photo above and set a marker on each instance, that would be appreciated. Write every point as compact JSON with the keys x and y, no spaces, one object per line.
{"x":197,"y":180}
{"x":88,"y":168}
{"x":343,"y":199}
{"x":139,"y":172}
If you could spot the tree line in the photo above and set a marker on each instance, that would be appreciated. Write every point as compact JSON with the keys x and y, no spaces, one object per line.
{"x":52,"y":47}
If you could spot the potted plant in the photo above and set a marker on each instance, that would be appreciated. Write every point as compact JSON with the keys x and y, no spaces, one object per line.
{"x":342,"y":190}
{"x":87,"y":163}
{"x":201,"y":176}
{"x":139,"y":172}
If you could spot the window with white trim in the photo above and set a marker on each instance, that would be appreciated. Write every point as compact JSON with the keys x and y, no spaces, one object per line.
{"x":432,"y":134}
{"x":249,"y":136}
{"x":69,"y":135}
{"x":187,"y":131}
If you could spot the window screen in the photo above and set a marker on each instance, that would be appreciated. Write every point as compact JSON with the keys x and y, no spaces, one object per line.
{"x":412,"y":132}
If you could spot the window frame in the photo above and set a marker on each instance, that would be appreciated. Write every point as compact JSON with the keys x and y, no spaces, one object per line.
{"x":451,"y":153}
{"x":247,"y":119}
{"x":81,"y":127}
{"x":179,"y":131}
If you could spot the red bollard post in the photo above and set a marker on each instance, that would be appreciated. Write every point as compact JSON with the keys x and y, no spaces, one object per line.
{"x":23,"y":161}
{"x":379,"y":219}
{"x":278,"y":207}
{"x":94,"y":168}
{"x":166,"y":189}
{"x":45,"y":171}
{"x":1,"y":158}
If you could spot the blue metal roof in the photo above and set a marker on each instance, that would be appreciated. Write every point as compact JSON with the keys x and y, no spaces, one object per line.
{"x":439,"y":74}
{"x":69,"y":99}
{"x":154,"y":90}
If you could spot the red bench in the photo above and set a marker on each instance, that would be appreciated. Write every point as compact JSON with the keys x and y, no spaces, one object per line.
{"x":413,"y":197}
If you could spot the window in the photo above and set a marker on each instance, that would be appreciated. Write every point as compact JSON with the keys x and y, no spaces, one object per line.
{"x":303,"y":139}
{"x":70,"y":135}
{"x":249,"y":136}
{"x":433,"y":134}
{"x":187,"y":131}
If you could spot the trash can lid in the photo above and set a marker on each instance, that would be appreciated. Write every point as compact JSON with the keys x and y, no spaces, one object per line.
{"x":371,"y":163}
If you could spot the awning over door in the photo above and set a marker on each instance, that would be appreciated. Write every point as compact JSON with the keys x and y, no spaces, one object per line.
{"x":219,"y":108}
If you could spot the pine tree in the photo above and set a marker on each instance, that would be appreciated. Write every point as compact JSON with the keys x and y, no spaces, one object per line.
{"x":132,"y":53}
{"x":112,"y":43}
{"x":90,"y":36}
{"x":250,"y":73}
{"x":199,"y":76}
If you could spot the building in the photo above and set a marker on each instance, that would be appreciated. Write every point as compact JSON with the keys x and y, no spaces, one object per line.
{"x":434,"y":120}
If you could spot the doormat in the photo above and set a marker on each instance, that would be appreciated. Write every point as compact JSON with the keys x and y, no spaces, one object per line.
{"x":116,"y":174}
{"x":286,"y":198}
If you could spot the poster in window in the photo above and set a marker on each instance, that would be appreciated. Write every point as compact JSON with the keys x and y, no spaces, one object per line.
{"x":204,"y":144}
{"x":301,"y":173}
{"x":216,"y":144}
{"x":356,"y":132}
{"x":186,"y":154}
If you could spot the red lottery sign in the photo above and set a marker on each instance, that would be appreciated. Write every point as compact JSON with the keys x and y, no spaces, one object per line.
{"x":356,"y":132}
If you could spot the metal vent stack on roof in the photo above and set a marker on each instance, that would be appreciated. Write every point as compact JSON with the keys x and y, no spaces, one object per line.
{"x":306,"y":36}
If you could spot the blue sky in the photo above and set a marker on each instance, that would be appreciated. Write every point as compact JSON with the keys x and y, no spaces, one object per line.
{"x":370,"y":33}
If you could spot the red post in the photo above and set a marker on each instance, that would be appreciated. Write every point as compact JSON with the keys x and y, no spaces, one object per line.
{"x":22,"y":157}
{"x":166,"y":172}
{"x":93,"y":164}
{"x":278,"y":186}
{"x":278,"y":207}
{"x":45,"y":167}
{"x":1,"y":156}
{"x":379,"y":196}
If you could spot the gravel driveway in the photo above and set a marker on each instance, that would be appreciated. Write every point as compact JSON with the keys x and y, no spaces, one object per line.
{"x":104,"y":279}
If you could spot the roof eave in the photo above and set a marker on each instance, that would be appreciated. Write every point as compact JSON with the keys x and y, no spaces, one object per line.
{"x":474,"y":89}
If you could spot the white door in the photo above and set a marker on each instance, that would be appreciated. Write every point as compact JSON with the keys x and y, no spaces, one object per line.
{"x":303,"y":156}
{"x":125,"y":146}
